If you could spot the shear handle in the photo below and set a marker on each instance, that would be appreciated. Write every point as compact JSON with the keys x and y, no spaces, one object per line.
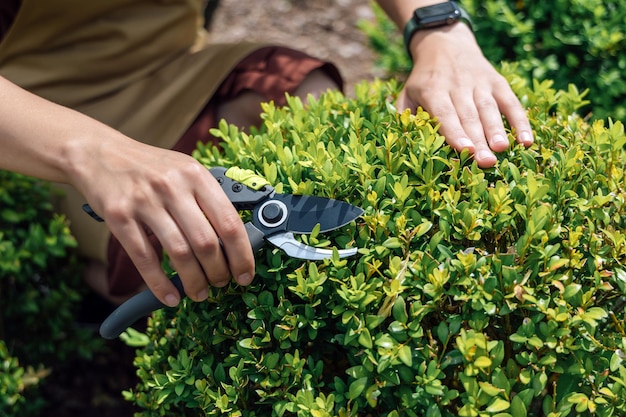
{"x":145,"y":302}
{"x":240,"y":194}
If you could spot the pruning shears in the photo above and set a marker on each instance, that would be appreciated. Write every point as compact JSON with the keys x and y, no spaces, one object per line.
{"x":275,"y":219}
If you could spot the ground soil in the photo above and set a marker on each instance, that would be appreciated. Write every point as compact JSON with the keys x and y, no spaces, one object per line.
{"x":323,"y":28}
{"x":327,"y":29}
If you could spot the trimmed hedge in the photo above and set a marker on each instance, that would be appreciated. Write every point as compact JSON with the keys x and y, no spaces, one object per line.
{"x":496,"y":292}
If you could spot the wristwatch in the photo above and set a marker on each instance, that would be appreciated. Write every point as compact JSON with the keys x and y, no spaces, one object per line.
{"x":436,"y":15}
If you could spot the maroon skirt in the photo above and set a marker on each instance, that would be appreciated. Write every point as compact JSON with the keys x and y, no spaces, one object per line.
{"x":270,"y":72}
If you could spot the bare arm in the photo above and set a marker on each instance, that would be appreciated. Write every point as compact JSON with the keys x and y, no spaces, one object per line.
{"x":400,"y":11}
{"x":453,"y":81}
{"x":135,"y":188}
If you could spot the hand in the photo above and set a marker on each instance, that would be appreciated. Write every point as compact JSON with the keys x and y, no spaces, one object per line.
{"x":454,"y":82}
{"x":138,"y":188}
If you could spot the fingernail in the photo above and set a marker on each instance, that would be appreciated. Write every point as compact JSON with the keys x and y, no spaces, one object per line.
{"x":171,"y":300}
{"x":484,"y":155}
{"x":465,"y":143}
{"x":244,"y":279}
{"x":526,"y":138}
{"x":202,"y":295}
{"x":499,"y":140}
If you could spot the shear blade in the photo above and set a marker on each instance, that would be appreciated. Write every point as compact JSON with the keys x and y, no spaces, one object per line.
{"x":305,"y":212}
{"x":287,"y":243}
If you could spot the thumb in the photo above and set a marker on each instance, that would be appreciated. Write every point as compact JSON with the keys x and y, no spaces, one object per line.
{"x":403,"y":102}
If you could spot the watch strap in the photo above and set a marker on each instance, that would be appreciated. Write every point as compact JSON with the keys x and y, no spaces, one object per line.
{"x":413,"y":25}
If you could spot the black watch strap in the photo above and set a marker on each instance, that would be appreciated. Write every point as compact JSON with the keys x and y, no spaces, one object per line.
{"x":436,"y":15}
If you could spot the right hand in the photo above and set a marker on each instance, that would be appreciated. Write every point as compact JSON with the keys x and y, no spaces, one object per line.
{"x":137,"y":188}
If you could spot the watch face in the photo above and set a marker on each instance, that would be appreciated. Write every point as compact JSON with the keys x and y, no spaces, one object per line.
{"x":437,"y":14}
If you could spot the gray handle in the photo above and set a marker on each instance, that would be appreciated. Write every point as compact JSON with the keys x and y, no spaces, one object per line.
{"x":132,"y":310}
{"x":145,"y":302}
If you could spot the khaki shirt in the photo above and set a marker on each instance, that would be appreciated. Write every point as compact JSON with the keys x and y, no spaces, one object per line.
{"x":144,"y":67}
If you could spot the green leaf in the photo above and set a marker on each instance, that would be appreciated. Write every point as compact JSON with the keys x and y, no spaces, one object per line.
{"x":134,"y":338}
{"x":498,"y":405}
{"x":616,"y":361}
{"x":595,"y":313}
{"x":518,"y":408}
{"x":482,"y":362}
{"x":442,"y":332}
{"x":357,"y":387}
{"x":405,"y":355}
{"x":365,"y":339}
{"x":393,"y":243}
{"x":490,"y":389}
{"x":399,"y":310}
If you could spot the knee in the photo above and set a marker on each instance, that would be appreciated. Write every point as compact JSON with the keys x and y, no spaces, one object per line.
{"x":316,"y":83}
{"x":243,"y":111}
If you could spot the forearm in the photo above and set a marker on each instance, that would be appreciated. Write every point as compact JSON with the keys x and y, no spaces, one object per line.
{"x":400,"y":11}
{"x":43,"y":139}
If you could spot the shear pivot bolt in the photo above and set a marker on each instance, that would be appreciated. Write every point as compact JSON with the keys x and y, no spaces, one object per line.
{"x":272,"y":213}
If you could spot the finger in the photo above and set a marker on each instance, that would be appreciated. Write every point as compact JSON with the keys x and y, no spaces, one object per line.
{"x":404,"y":102}
{"x":491,"y":120}
{"x":230,"y":229}
{"x":135,"y":242}
{"x":514,"y":112}
{"x":184,"y":260}
{"x":201,"y":242}
{"x":460,"y":122}
{"x":444,"y":111}
{"x":471,"y":123}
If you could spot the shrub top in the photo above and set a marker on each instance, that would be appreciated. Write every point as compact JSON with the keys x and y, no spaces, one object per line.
{"x":496,"y":292}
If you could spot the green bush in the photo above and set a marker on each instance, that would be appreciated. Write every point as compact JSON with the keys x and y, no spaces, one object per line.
{"x":496,"y":292}
{"x":14,"y":382}
{"x":39,"y":285}
{"x":567,"y":41}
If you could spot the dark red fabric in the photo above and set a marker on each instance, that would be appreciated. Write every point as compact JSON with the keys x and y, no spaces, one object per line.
{"x":271,"y":72}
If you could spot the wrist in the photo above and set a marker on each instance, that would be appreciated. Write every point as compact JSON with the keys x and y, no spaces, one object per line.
{"x":431,"y":17}
{"x":90,"y":150}
{"x":430,"y":41}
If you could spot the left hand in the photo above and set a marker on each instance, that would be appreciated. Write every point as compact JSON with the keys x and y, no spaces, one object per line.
{"x":453,"y":81}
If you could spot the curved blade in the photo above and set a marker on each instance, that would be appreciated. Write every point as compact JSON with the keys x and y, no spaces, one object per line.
{"x":307,"y":211}
{"x":287,"y":243}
